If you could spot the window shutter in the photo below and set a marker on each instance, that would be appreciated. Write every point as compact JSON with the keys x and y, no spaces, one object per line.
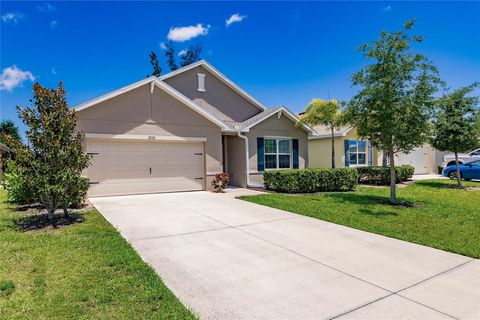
{"x":295,"y":153}
{"x":370,"y":153}
{"x":260,"y":154}
{"x":347,"y":154}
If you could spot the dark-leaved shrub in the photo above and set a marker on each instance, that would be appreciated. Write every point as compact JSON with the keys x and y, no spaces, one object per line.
{"x":381,"y":175}
{"x":310,"y":180}
{"x":19,"y":186}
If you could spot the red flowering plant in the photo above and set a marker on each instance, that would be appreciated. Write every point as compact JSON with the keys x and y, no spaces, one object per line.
{"x":220,"y":181}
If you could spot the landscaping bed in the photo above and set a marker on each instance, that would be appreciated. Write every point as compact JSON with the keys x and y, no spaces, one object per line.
{"x":81,"y":270}
{"x":441,"y":217}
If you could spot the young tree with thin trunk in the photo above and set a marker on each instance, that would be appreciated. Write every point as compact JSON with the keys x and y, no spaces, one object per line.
{"x":325,"y":113}
{"x":53,"y":157}
{"x":396,"y":99}
{"x":457,"y":123}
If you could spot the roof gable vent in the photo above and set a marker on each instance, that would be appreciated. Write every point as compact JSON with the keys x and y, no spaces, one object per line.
{"x":201,"y":82}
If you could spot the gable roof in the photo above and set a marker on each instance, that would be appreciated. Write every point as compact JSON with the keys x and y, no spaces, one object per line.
{"x":232,"y":126}
{"x":324,"y":132}
{"x":245,"y":126}
{"x":154,"y":81}
{"x":220,"y":76}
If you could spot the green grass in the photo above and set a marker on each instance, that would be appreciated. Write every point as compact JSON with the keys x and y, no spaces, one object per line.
{"x":446,"y":218}
{"x":81,"y":271}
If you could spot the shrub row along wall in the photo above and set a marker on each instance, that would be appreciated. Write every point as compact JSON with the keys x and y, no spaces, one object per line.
{"x":381,"y":175}
{"x":310,"y":180}
{"x":322,"y":180}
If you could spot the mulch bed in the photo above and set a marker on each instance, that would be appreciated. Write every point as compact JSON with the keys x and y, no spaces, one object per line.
{"x":41,"y":221}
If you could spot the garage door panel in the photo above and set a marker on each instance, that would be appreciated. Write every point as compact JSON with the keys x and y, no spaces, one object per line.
{"x":144,"y":187}
{"x":123,"y":146}
{"x":418,"y":159}
{"x":117,"y":159}
{"x":122,"y":167}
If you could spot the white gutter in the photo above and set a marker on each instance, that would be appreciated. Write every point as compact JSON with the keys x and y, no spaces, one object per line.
{"x":247,"y":158}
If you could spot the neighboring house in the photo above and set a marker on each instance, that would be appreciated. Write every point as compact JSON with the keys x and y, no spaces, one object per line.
{"x":350,"y":151}
{"x":175,"y":132}
{"x":4,"y":150}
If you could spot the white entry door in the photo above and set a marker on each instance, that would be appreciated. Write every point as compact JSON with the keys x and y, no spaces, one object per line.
{"x":131,"y":167}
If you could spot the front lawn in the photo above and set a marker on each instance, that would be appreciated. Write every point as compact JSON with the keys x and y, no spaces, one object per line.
{"x":445,"y":218}
{"x":85,"y":270}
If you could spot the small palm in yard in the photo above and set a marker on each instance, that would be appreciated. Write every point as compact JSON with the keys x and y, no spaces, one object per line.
{"x":457,"y":124}
{"x":325,"y":113}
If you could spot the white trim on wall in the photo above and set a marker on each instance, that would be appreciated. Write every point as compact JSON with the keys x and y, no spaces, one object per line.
{"x":151,"y":138}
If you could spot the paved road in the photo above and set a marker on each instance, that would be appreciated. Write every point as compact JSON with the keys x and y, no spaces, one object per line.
{"x":230,"y":259}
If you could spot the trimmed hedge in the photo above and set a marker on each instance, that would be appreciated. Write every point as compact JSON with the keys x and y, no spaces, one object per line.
{"x":310,"y":180}
{"x":381,"y":175}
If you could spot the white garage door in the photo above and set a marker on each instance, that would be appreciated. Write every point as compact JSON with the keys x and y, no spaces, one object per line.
{"x":417,"y":159}
{"x":121,"y":167}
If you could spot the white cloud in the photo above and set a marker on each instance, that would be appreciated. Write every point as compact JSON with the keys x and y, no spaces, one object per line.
{"x":14,"y":17}
{"x":13,"y":77}
{"x":181,"y":34}
{"x":163,"y":46}
{"x":387,"y":8}
{"x":47,"y":7}
{"x":182,"y":52}
{"x":236,"y":17}
{"x":53,"y":24}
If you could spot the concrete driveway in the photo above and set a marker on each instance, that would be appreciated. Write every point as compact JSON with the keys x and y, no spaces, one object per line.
{"x":230,"y":259}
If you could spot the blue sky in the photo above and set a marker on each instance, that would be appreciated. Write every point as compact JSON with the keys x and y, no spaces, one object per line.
{"x":280,"y":52}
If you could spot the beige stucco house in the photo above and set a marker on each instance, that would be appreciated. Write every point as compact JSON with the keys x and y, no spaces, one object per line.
{"x":175,"y":132}
{"x":351,"y":151}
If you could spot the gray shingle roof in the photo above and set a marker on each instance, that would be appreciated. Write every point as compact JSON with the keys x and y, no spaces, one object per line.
{"x":259,"y":116}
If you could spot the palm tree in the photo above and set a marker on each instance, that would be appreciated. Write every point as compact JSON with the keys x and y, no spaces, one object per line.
{"x":325,"y":113}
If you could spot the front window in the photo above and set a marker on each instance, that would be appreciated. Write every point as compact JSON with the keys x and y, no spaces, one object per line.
{"x":358,"y":152}
{"x":277,"y":153}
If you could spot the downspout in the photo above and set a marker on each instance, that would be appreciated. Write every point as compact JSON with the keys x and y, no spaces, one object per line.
{"x":247,"y":158}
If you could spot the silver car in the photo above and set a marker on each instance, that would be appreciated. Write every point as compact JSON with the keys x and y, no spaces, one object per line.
{"x":449,"y":159}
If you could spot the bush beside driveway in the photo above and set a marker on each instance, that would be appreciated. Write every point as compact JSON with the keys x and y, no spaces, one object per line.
{"x":442,"y":217}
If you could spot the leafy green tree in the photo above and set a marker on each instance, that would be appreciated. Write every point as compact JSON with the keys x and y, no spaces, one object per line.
{"x":170,"y":54}
{"x":53,"y":157}
{"x":456,"y":124}
{"x":192,"y":54}
{"x":325,"y":113}
{"x":7,"y":127}
{"x":396,"y":99}
{"x":154,"y":62}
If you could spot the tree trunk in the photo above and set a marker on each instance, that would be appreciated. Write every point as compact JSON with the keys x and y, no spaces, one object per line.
{"x":50,"y":213}
{"x":393,"y":180}
{"x":333,"y":148}
{"x":65,"y":212}
{"x":459,"y":177}
{"x":385,"y":159}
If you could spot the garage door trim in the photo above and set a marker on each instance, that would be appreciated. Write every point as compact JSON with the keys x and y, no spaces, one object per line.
{"x":144,"y":137}
{"x":151,"y":139}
